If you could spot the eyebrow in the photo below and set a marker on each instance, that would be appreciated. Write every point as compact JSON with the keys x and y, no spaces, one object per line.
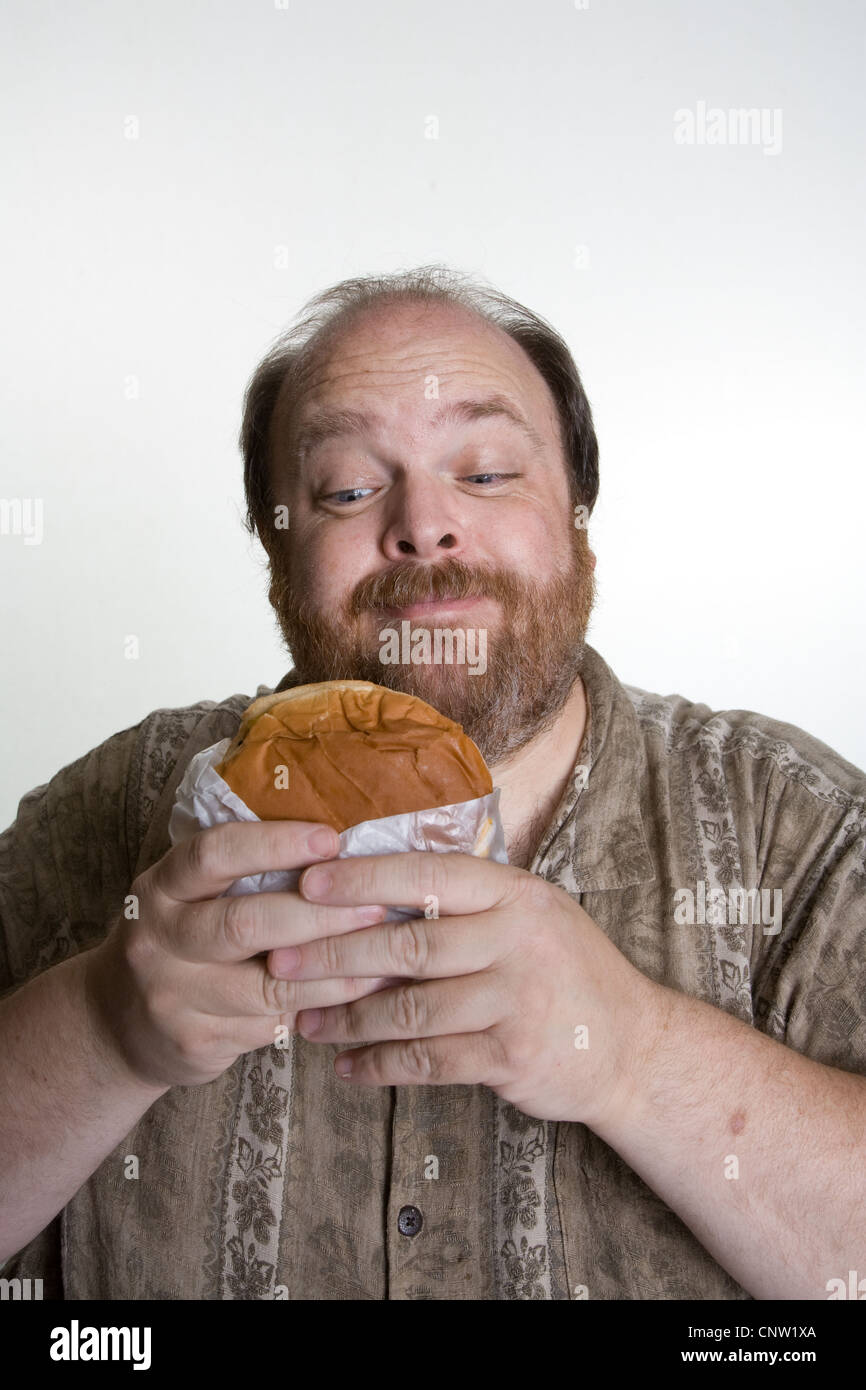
{"x":332,"y":423}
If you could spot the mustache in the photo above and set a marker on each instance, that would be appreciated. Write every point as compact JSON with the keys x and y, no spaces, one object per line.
{"x":413,"y":583}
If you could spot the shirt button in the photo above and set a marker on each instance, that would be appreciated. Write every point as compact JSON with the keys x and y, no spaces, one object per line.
{"x":409,"y":1221}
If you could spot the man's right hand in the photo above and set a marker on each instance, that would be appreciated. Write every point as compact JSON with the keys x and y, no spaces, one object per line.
{"x":181,"y":992}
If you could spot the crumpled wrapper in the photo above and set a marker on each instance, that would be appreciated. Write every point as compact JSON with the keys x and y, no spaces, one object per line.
{"x":204,"y":799}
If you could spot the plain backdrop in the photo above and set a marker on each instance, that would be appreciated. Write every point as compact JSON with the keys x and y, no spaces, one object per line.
{"x":179,"y":176}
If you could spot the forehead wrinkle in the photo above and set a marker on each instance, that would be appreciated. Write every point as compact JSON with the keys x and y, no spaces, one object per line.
{"x":333,"y":422}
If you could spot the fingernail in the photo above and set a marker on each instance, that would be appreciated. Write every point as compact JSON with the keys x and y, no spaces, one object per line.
{"x":315,"y":883}
{"x":285,"y":960}
{"x":324,"y":841}
{"x":369,"y":916}
{"x":310,"y":1021}
{"x":343,"y":1066}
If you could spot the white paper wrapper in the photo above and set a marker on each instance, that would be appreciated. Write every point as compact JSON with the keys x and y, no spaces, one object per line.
{"x":203,"y":799}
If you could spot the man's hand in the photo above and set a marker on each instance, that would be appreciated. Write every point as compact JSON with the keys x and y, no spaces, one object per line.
{"x":493,"y":993}
{"x":178,"y":994}
{"x":513,"y":986}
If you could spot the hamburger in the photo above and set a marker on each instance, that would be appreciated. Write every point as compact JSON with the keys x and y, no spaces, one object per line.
{"x":343,"y":752}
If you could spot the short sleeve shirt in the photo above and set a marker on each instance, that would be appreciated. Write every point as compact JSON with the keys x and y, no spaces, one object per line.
{"x":277,"y":1180}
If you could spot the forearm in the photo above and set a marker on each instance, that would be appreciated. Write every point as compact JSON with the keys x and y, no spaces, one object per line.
{"x":758,"y":1149}
{"x":65,"y":1100}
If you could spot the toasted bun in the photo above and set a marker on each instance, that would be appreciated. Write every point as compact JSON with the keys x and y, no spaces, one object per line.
{"x":353,"y":751}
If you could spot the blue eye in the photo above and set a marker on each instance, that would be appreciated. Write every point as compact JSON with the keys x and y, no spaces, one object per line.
{"x":498,"y":476}
{"x":347,"y":492}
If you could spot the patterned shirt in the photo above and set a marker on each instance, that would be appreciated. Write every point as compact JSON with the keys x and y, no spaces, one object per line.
{"x":278,"y":1180}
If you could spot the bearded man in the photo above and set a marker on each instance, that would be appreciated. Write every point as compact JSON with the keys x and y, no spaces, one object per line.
{"x":593,"y":1075}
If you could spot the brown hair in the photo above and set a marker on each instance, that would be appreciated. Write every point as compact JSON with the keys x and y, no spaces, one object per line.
{"x":328,"y":312}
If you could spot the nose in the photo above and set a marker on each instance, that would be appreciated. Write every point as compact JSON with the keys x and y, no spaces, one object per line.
{"x":422,"y":520}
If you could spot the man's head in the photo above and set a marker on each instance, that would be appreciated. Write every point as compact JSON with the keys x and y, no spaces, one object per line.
{"x":403,"y":445}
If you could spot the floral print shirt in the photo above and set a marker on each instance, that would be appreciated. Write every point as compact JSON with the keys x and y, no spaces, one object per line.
{"x":277,"y":1180}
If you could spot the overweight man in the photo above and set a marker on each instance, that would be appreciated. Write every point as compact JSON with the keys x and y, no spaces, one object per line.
{"x":629,"y":1064}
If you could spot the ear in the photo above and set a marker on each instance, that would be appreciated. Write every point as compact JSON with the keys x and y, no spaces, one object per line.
{"x":592,"y":556}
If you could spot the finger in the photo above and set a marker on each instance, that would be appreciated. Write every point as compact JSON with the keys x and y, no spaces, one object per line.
{"x":246,"y":989}
{"x":412,"y":1009}
{"x":457,"y":1059}
{"x":236,"y":928}
{"x":208,"y":863}
{"x":418,"y":948}
{"x":251,"y":1032}
{"x":446,"y":882}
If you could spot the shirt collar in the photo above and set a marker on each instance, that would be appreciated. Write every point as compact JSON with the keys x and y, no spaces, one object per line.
{"x":598,"y":817}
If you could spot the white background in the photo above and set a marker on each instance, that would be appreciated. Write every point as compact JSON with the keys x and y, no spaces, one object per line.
{"x":718,"y":322}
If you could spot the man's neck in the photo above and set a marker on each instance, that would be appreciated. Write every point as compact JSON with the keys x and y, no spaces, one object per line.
{"x":532,"y":780}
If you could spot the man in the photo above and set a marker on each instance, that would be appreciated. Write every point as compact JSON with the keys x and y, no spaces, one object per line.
{"x":628,"y":1064}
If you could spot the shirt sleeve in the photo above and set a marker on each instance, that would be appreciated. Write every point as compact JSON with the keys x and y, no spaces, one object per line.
{"x":65,"y":861}
{"x":809,"y":981}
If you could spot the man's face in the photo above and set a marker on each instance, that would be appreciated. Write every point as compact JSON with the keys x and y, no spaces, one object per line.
{"x":414,"y":504}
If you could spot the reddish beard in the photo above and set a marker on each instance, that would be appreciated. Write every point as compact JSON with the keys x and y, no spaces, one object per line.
{"x":534,"y":651}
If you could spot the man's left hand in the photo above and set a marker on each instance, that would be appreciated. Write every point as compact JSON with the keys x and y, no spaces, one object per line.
{"x":512,"y":986}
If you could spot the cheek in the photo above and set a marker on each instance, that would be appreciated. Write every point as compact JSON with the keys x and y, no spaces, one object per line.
{"x":331,"y":565}
{"x":534,"y":543}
